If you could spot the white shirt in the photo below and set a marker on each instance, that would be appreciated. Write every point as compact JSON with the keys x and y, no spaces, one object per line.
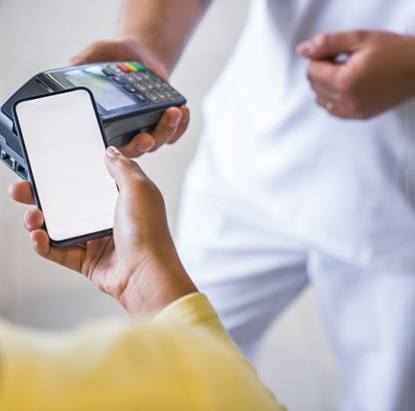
{"x":342,"y":187}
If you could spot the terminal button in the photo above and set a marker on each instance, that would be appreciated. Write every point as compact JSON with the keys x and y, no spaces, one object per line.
{"x":130,"y":88}
{"x":154,"y":98}
{"x":141,"y":87}
{"x":124,"y":68}
{"x":108,"y":72}
{"x":138,"y":66}
{"x":138,"y":76}
{"x":130,"y":66}
{"x":121,"y":78}
{"x":114,"y":69}
{"x":140,"y":97}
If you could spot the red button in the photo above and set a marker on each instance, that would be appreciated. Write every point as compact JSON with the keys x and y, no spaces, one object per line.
{"x":123,"y":68}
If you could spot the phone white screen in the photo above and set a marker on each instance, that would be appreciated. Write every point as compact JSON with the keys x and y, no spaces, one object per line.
{"x":66,"y":151}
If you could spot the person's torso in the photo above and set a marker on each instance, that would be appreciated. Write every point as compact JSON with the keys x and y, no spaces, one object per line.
{"x":317,"y":175}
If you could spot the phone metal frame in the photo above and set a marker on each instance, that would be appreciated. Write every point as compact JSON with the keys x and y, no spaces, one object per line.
{"x":75,"y":240}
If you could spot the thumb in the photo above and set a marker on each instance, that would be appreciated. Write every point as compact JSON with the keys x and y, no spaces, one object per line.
{"x":329,"y":45}
{"x":125,"y":172}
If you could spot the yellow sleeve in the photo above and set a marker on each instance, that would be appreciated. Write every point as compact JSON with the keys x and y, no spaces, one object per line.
{"x":196,"y":311}
{"x":183,"y":360}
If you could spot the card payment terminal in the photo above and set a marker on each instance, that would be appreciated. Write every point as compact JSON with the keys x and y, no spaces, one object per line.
{"x":130,"y":98}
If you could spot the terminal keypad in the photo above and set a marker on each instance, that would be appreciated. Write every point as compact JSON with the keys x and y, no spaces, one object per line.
{"x":141,"y":82}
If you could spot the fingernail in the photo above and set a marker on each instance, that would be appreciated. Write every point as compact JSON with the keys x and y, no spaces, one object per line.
{"x":174,"y":122}
{"x":145,"y":143}
{"x":144,"y":146}
{"x":113,"y":152}
{"x":306,"y":48}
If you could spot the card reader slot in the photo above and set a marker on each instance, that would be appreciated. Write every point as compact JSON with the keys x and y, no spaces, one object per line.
{"x":6,"y":158}
{"x":12,"y":164}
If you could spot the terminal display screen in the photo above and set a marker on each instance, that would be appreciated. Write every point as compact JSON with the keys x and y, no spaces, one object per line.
{"x":107,"y":94}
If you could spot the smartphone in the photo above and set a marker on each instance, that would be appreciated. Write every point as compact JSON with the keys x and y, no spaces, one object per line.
{"x":64,"y":147}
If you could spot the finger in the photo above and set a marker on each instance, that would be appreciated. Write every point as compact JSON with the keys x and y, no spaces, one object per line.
{"x":329,"y":45}
{"x":33,"y":219}
{"x":22,"y":192}
{"x":182,"y":127}
{"x":337,"y":108}
{"x":323,"y":73}
{"x":70,"y":257}
{"x":165,"y":130}
{"x":325,"y":92}
{"x":166,"y":127}
{"x":124,"y":171}
{"x":139,"y":144}
{"x":324,"y":103}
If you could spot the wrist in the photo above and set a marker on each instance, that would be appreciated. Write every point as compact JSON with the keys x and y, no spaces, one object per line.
{"x":155,"y":284}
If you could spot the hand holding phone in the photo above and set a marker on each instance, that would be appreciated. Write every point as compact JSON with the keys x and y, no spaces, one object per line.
{"x":78,"y":203}
{"x":138,"y":265}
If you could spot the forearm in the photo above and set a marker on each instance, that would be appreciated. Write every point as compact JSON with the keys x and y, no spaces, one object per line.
{"x":163,"y":26}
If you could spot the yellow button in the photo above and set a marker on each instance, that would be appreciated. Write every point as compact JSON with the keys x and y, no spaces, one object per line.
{"x":131,"y":67}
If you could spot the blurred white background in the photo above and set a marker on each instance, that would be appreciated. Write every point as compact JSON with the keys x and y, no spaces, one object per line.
{"x":295,"y":361}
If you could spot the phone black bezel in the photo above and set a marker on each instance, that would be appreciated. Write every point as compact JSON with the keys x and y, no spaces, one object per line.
{"x":75,"y":240}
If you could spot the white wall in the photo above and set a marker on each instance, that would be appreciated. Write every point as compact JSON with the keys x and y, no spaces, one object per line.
{"x":36,"y":35}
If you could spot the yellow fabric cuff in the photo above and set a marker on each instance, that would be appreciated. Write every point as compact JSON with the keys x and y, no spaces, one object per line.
{"x":196,"y":311}
{"x":190,"y":309}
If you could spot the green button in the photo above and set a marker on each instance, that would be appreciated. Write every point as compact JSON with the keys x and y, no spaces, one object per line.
{"x":138,"y":66}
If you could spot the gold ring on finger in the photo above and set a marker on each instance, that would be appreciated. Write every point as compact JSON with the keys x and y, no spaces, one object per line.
{"x":330,"y":106}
